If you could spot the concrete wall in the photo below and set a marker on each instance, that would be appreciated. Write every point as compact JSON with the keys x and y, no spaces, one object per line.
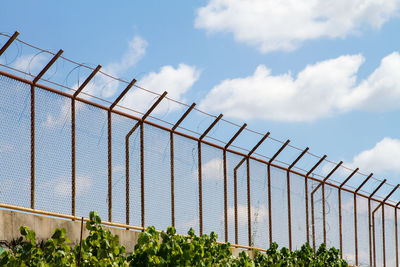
{"x":11,"y":221}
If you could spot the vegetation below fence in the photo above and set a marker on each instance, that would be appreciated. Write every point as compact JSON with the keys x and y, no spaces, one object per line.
{"x":102,"y":248}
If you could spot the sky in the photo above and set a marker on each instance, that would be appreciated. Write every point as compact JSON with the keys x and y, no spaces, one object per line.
{"x":324,"y":74}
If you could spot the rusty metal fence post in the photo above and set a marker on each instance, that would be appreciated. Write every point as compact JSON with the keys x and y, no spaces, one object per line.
{"x":306,"y":198}
{"x":200,"y":173}
{"x":355,"y":216}
{"x":127,"y":160}
{"x":73,"y":147}
{"x":247,"y":159}
{"x":340,"y":210}
{"x":288,"y":196}
{"x":35,"y":80}
{"x":323,"y":204}
{"x":382,"y":204}
{"x":226,"y":179}
{"x":396,"y":233}
{"x":370,"y":220}
{"x":269,"y":187}
{"x":109,"y":143}
{"x":172,"y":161}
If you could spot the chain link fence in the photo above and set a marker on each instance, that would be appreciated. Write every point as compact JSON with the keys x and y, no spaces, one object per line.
{"x":69,"y":155}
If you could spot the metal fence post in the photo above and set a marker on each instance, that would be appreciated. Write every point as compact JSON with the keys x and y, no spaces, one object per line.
{"x":269,"y":187}
{"x":226,"y":179}
{"x":73,"y":127}
{"x":355,"y":216}
{"x":172,"y":161}
{"x":370,"y":220}
{"x":288,"y":196}
{"x":109,"y":143}
{"x":35,"y":80}
{"x":382,"y":204}
{"x":246,"y":158}
{"x":396,"y":233}
{"x":127,"y":160}
{"x":200,"y":173}
{"x":340,"y":209}
{"x":306,"y":198}
{"x":323,"y":203}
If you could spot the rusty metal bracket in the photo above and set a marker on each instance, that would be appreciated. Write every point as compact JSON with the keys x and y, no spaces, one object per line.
{"x":47,"y":67}
{"x":226,"y":178}
{"x":288,"y":195}
{"x":139,"y":123}
{"x":9,"y":42}
{"x":86,"y":82}
{"x":122,"y":94}
{"x":176,"y":125}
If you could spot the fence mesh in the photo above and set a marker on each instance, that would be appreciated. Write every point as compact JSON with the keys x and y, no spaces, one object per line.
{"x":156,"y":171}
{"x":15,"y":143}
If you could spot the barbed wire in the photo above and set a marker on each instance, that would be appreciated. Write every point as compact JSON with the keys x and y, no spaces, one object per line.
{"x":78,"y":65}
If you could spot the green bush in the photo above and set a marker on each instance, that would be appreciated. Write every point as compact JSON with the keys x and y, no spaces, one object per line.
{"x":102,"y":248}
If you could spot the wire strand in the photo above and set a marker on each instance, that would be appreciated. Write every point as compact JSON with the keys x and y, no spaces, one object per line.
{"x":173,"y":100}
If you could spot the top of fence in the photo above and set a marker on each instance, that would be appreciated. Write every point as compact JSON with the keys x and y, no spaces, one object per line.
{"x":22,"y":58}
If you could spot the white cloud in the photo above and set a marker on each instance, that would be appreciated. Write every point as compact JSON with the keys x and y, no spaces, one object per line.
{"x":31,"y":63}
{"x":258,"y":214}
{"x":5,"y":147}
{"x":384,"y":156}
{"x":106,"y":87}
{"x":64,"y":115}
{"x":118,"y":168}
{"x":319,"y":90}
{"x":212,"y":170}
{"x":62,"y":186}
{"x":136,"y":50}
{"x":194,"y":223}
{"x":283,"y":25}
{"x":176,"y":81}
{"x":381,"y":90}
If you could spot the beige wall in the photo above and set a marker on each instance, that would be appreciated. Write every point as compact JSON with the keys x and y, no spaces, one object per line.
{"x":11,"y":221}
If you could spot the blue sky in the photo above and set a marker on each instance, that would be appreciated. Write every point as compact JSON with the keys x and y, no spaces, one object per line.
{"x":323,"y":74}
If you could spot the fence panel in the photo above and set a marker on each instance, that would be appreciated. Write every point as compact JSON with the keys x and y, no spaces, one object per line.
{"x":186,"y":185}
{"x":15,"y":143}
{"x":157,"y":172}
{"x":53,"y":152}
{"x":91,"y":160}
{"x":213,"y":191}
